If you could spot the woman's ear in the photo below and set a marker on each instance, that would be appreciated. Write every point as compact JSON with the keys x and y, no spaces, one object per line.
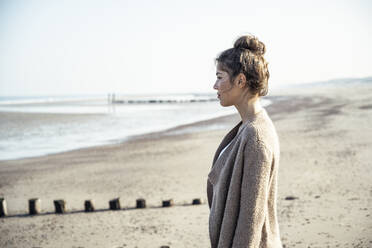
{"x":241,"y":80}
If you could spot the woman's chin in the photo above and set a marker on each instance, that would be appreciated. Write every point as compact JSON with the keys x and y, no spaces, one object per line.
{"x":223,"y":104}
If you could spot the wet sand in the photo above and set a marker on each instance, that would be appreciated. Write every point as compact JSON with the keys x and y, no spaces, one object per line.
{"x":325,"y":168}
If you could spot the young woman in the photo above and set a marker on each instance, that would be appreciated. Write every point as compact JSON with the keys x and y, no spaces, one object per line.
{"x":242,"y":183}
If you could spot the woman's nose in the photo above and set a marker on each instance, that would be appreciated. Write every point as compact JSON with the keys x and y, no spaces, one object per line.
{"x":215,"y":86}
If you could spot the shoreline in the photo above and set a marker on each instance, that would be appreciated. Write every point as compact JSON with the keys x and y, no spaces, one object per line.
{"x":186,"y":128}
{"x":218,"y":123}
{"x":36,"y":119}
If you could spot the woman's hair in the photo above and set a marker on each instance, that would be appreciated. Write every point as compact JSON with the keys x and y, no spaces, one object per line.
{"x":247,"y":57}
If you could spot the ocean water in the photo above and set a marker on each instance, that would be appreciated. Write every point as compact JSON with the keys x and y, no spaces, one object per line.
{"x":54,"y":124}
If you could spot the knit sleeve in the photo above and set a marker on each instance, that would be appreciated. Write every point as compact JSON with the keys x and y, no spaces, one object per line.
{"x":254,"y":195}
{"x":209,"y":193}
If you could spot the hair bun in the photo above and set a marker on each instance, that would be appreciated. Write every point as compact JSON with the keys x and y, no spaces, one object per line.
{"x":250,"y":43}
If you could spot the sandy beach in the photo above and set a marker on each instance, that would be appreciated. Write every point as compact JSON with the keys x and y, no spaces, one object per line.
{"x":325,"y":186}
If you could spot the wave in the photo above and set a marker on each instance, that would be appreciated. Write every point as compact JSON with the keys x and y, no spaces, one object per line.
{"x":109,"y":98}
{"x":162,"y":98}
{"x":22,"y":100}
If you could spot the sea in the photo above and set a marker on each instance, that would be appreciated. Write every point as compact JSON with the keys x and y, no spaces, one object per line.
{"x":40,"y":125}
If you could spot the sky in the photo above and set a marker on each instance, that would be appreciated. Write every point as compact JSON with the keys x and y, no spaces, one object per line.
{"x":72,"y":47}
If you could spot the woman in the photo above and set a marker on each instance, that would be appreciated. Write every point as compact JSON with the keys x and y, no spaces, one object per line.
{"x":242,"y":183}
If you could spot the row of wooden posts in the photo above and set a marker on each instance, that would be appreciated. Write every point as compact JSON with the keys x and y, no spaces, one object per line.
{"x":34,"y":205}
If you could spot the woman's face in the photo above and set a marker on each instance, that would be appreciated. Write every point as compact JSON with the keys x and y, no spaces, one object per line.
{"x":227,"y":92}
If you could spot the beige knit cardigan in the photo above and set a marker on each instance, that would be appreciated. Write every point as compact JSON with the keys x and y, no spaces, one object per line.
{"x":242,"y":187}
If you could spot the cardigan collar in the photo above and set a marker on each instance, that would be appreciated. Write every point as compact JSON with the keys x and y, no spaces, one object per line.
{"x":230,"y":136}
{"x":233,"y":132}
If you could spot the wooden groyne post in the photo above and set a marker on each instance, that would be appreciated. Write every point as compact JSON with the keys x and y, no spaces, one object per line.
{"x":114,"y":204}
{"x":168,"y":203}
{"x":34,"y":206}
{"x":141,"y":203}
{"x":88,"y":206}
{"x":3,"y":210}
{"x":60,"y":206}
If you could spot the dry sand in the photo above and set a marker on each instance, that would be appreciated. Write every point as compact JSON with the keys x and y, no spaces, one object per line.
{"x":326,"y":138}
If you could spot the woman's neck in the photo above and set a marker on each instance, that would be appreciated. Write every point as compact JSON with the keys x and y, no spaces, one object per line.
{"x":248,"y":108}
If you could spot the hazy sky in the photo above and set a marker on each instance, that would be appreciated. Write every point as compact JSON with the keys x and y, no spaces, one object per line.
{"x":89,"y":47}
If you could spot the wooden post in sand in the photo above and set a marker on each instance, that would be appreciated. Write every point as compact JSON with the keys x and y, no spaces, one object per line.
{"x":141,"y":203}
{"x":34,"y":206}
{"x":89,"y":207}
{"x":115,"y":204}
{"x":3,"y":210}
{"x":168,"y":203}
{"x":60,"y":206}
{"x":196,"y":201}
